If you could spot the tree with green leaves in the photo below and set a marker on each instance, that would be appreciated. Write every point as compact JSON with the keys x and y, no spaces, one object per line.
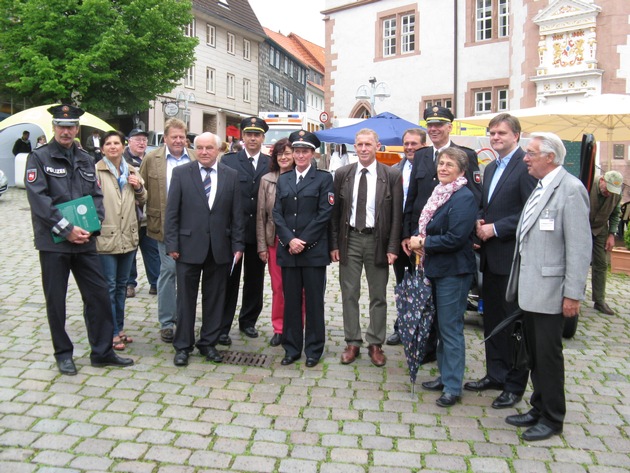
{"x":102,"y":54}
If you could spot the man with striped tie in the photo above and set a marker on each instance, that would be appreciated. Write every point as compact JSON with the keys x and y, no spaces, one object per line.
{"x":548,"y":278}
{"x":204,"y":235}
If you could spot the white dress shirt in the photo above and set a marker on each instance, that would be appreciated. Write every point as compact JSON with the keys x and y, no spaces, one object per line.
{"x":371,"y":195}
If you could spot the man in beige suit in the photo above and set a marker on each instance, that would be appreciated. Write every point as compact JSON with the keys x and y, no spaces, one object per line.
{"x":156,"y":170}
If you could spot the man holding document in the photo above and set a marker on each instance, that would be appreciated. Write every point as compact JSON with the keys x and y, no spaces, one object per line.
{"x":56,"y":174}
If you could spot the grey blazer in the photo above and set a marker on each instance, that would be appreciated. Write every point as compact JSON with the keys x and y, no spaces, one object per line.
{"x":553,"y":264}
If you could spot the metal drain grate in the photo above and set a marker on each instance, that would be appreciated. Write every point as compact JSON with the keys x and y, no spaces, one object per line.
{"x":246,"y":359}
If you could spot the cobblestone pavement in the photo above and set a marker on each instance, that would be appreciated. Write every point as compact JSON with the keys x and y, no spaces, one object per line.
{"x":154,"y":417}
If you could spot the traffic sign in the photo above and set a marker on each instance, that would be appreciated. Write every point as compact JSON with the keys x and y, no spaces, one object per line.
{"x":323,"y":117}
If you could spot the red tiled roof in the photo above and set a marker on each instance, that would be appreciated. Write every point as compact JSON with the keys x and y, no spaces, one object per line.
{"x":312,"y":53}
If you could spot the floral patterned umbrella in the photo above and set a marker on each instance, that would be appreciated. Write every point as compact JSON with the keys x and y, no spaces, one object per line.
{"x":414,"y":303}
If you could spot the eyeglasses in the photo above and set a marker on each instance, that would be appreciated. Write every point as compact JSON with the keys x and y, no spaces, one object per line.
{"x":531,"y":154}
{"x":138,"y":139}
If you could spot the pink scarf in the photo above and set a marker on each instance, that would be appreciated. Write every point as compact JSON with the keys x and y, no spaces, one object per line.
{"x":440,"y":196}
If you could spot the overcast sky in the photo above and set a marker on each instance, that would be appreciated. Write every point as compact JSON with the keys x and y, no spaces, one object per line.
{"x":301,"y":17}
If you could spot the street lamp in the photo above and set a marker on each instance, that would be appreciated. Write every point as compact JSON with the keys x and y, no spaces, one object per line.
{"x":190,"y":98}
{"x":380,"y":90}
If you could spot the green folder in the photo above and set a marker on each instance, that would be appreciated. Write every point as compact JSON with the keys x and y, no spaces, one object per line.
{"x":80,"y":212}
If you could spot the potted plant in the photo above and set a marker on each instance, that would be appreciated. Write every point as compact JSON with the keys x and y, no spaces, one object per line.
{"x":620,"y":257}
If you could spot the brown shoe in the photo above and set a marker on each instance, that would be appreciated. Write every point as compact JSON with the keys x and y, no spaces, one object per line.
{"x":349,"y":354}
{"x":376,"y":355}
{"x":131,"y":291}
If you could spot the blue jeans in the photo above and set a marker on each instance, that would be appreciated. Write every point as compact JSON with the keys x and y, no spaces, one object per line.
{"x":150,"y":256}
{"x":116,"y":272}
{"x":166,"y":284}
{"x":450,"y":301}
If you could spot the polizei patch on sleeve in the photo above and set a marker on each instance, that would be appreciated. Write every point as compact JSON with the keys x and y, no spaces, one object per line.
{"x":331,"y":198}
{"x":31,"y":175}
{"x":477,"y":177}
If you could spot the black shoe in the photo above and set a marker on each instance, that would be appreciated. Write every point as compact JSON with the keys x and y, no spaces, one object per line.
{"x":181,"y":358}
{"x":251,"y":332}
{"x":153,"y":290}
{"x":111,"y":360}
{"x":289,"y":360}
{"x":447,"y":400}
{"x":67,"y":367}
{"x":483,"y":384}
{"x":167,"y":334}
{"x":428,"y":358}
{"x":311,"y":362}
{"x":505,"y":400}
{"x":540,"y":432}
{"x":603,"y":308}
{"x":224,"y":339}
{"x":276,"y":340}
{"x":393,"y":339}
{"x":435,"y":385}
{"x":213,"y":355}
{"x":522,"y":420}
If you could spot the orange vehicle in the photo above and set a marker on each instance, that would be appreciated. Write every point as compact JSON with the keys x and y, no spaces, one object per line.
{"x":388,"y":157}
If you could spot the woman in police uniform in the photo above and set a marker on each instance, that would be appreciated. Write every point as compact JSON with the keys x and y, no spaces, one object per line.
{"x":304,"y":202}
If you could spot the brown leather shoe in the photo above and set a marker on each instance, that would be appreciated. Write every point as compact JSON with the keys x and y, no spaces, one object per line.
{"x":349,"y":354}
{"x":376,"y":355}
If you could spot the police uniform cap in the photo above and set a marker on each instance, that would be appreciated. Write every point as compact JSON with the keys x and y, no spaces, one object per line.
{"x":614,"y":181}
{"x":304,"y":139}
{"x":254,"y":124}
{"x":138,"y":131}
{"x":66,"y":115}
{"x":438,"y":114}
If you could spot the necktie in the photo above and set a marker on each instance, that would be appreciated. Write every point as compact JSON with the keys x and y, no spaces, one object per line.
{"x":300,"y":179}
{"x":207,"y":182}
{"x":435,"y":155}
{"x":529,"y":210}
{"x":251,"y":161}
{"x":359,"y":219}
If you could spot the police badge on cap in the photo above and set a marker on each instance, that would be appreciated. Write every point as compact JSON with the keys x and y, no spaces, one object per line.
{"x":65,"y":115}
{"x":304,"y":139}
{"x":254,"y":125}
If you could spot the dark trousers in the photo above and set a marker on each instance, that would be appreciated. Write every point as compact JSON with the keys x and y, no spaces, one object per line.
{"x":213,"y":283}
{"x":253,"y":284}
{"x":543,"y":335}
{"x":151,"y":257}
{"x":310,"y":283}
{"x":97,"y":309}
{"x":500,"y":347}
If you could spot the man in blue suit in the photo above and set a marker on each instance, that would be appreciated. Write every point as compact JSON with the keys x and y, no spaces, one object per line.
{"x":548,"y":278}
{"x":203,"y":234}
{"x":506,"y":187}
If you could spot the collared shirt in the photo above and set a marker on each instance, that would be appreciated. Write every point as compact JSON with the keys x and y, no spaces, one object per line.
{"x":545,"y":181}
{"x":255,"y":156}
{"x":214,"y":179}
{"x":406,"y":174}
{"x":172,"y":162}
{"x":501,"y":165}
{"x":303,"y":174}
{"x":371,"y":195}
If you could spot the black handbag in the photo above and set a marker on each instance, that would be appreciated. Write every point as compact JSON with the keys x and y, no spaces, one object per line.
{"x":520,"y":360}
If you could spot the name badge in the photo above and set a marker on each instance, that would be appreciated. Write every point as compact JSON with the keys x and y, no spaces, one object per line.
{"x":546,"y":224}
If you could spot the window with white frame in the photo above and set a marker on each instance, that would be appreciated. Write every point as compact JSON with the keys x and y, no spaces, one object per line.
{"x":285,"y":98}
{"x":247,"y":49}
{"x":230,"y":43}
{"x":286,"y":65}
{"x":211,"y":35}
{"x":189,"y":29}
{"x":408,"y":34}
{"x":483,"y":101}
{"x":492,"y":19}
{"x":389,"y":37}
{"x":189,"y":78}
{"x":272,"y":54}
{"x":247,"y":90}
{"x":230,"y":86}
{"x":276,"y":94}
{"x":271,"y":91}
{"x":502,"y":100}
{"x":211,"y":80}
{"x":439,"y":102}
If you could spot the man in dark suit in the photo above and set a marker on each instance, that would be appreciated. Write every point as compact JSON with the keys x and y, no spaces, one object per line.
{"x":413,"y":140}
{"x":548,"y":278}
{"x":506,"y":187}
{"x":251,"y":165}
{"x":93,"y":145}
{"x":304,"y":203}
{"x":424,"y":179}
{"x":203,"y":233}
{"x":365,"y":233}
